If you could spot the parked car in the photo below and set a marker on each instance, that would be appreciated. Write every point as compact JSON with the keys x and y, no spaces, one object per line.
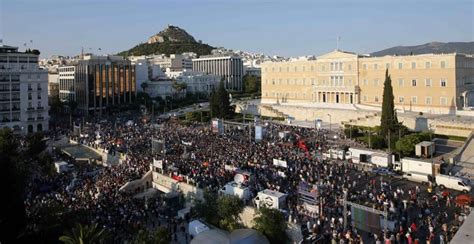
{"x":417,"y":177}
{"x":383,"y":171}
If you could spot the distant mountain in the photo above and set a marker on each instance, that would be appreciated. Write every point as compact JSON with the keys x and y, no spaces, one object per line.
{"x":432,"y":47}
{"x":171,"y":40}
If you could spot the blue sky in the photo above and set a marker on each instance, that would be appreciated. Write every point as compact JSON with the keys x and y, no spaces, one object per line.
{"x":288,"y":28}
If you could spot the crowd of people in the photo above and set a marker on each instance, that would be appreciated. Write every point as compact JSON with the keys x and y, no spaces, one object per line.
{"x":200,"y":156}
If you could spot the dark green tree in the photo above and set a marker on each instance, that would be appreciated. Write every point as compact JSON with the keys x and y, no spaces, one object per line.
{"x":82,"y":234}
{"x":207,"y":209}
{"x":271,"y":223}
{"x":35,"y":144}
{"x":252,"y":83}
{"x":388,"y":120}
{"x":220,"y":104}
{"x":158,"y":236}
{"x":144,"y":86}
{"x":229,"y":209}
{"x":13,"y":180}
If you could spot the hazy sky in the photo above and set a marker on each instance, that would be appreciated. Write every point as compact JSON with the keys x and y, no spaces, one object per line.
{"x":288,"y":28}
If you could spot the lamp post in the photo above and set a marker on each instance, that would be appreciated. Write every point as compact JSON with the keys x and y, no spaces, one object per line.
{"x":329,"y":123}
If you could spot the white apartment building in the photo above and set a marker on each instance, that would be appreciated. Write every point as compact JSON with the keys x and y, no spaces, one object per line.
{"x":197,"y":82}
{"x":230,"y":68}
{"x":23,"y":91}
{"x":67,"y":80}
{"x":145,"y":71}
{"x":174,"y":62}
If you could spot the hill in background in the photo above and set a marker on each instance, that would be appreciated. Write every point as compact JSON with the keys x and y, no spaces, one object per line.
{"x":171,"y":40}
{"x":432,"y":47}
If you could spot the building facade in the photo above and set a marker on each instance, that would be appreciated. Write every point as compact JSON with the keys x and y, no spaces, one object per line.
{"x":432,"y":83}
{"x":53,"y":84}
{"x":230,"y":68}
{"x":23,"y":91}
{"x":196,"y":82}
{"x":98,"y":82}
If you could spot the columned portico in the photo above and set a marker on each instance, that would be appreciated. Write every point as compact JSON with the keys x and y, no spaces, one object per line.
{"x":342,"y":95}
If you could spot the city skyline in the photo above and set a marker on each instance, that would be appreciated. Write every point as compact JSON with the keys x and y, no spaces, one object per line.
{"x":270,"y":27}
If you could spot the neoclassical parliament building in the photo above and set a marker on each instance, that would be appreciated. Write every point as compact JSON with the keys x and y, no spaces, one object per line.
{"x":432,"y":83}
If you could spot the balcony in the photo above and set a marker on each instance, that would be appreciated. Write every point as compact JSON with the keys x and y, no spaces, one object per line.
{"x":15,"y":109}
{"x":15,"y":89}
{"x":16,"y":99}
{"x":40,"y":118}
{"x":4,"y":99}
{"x":31,"y":119}
{"x":40,"y":108}
{"x":5,"y":120}
{"x":30,"y":89}
{"x":15,"y":120}
{"x":39,"y":89}
{"x":30,"y":109}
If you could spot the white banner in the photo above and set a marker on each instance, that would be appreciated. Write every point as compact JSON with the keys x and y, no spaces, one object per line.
{"x":187,"y":143}
{"x":258,"y":133}
{"x":229,"y":167}
{"x":281,"y":163}
{"x":158,"y":163}
{"x":318,"y":123}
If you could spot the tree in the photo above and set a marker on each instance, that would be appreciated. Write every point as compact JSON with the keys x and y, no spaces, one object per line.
{"x":406,"y":145}
{"x":13,"y":181}
{"x":229,"y":209}
{"x":144,"y":86}
{"x":252,"y":83}
{"x":178,"y":87}
{"x":222,"y":211}
{"x":207,"y":209}
{"x":220,"y":104}
{"x":159,"y":236}
{"x":271,"y":223}
{"x":35,"y":144}
{"x":56,"y":106}
{"x":388,"y":120}
{"x":82,"y":234}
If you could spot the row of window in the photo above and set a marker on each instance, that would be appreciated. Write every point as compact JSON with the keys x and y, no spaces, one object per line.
{"x":338,"y":66}
{"x":30,"y":86}
{"x":7,"y":87}
{"x":414,"y":100}
{"x":30,"y":96}
{"x":7,"y":78}
{"x":30,"y":105}
{"x":414,"y":82}
{"x":339,"y":81}
{"x":414,"y":65}
{"x":293,"y":95}
{"x":66,"y":69}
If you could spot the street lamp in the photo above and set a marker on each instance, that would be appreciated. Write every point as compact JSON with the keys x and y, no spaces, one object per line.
{"x":329,"y":123}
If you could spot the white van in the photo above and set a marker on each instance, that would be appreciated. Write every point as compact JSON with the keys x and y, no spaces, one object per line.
{"x":417,"y":177}
{"x":452,"y":182}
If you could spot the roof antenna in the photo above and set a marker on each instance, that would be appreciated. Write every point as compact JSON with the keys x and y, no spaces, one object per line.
{"x":337,"y":42}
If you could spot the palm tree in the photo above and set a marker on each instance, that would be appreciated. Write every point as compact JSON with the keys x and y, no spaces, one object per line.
{"x":178,"y":87}
{"x":144,"y":86}
{"x":84,"y":234}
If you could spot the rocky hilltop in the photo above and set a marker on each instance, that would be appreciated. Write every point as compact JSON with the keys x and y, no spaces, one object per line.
{"x":171,"y":34}
{"x":171,"y":40}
